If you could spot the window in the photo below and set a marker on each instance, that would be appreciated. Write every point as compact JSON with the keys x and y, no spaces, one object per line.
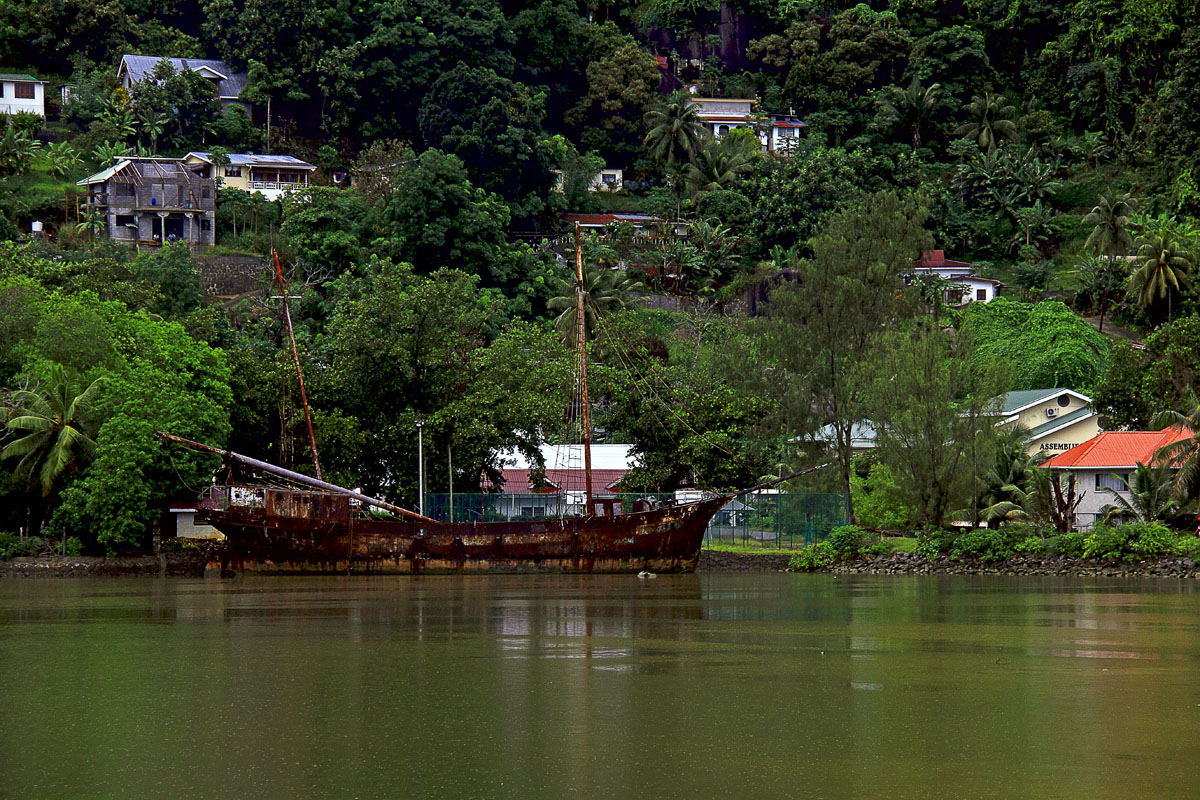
{"x":233,"y":172}
{"x":1,"y":90}
{"x":124,"y":220}
{"x":23,"y":91}
{"x":722,"y":130}
{"x":1064,"y":400}
{"x":124,"y":190}
{"x":981,"y":295}
{"x":1110,"y":480}
{"x":204,"y":193}
{"x":206,"y":225}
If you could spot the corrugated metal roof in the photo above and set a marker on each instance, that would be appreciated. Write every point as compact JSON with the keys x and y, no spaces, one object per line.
{"x":139,"y":67}
{"x":1118,"y":449}
{"x":103,"y":175}
{"x":1078,"y":415}
{"x":258,"y":160}
{"x":14,"y":76}
{"x":1027,"y":397}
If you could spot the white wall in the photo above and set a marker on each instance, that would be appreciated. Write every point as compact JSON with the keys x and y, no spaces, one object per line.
{"x":11,"y":104}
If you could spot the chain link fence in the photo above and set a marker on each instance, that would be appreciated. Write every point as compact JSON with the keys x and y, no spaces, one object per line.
{"x":762,"y":520}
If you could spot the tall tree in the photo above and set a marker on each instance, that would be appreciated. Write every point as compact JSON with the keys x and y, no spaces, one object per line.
{"x":1110,"y":237}
{"x":821,"y":329}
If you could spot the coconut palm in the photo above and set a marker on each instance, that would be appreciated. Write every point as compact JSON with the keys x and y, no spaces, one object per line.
{"x":54,"y":430}
{"x":1110,"y":237}
{"x":991,"y":122}
{"x":676,"y":130}
{"x":1008,"y":482}
{"x":606,"y":289}
{"x":909,"y":108}
{"x":1161,"y":268}
{"x":1150,"y":496}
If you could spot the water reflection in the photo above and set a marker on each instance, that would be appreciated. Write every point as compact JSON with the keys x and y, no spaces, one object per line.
{"x":547,"y":686}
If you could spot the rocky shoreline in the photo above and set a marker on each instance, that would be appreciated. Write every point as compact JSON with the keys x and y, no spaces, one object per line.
{"x":158,"y":566}
{"x":192,"y":565}
{"x":913,"y":564}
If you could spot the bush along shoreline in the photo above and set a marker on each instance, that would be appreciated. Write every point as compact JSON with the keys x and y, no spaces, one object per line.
{"x":1149,"y":549}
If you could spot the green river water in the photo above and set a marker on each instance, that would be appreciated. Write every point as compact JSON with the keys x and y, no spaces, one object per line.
{"x":711,"y":685}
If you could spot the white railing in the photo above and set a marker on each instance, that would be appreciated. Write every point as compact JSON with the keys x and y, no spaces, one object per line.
{"x":276,"y":186}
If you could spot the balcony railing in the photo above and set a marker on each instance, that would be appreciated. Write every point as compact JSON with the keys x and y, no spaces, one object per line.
{"x":281,"y":186}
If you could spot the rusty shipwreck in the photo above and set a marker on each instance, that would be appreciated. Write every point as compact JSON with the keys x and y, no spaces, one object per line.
{"x":325,"y":528}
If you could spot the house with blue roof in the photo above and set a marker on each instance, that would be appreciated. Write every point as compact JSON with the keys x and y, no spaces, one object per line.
{"x":273,"y":176}
{"x":227,"y":84}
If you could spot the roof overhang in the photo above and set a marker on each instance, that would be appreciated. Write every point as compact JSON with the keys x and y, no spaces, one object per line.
{"x":1050,"y":395}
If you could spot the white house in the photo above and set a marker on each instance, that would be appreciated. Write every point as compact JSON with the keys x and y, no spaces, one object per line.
{"x":22,"y":93}
{"x":227,"y":83}
{"x":973,"y":290}
{"x":968,"y":288}
{"x":1105,"y":464}
{"x":606,"y":180}
{"x":778,"y":133}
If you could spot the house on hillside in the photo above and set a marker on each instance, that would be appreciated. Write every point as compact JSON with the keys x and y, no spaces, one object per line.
{"x":966,"y":286}
{"x":21,"y":93}
{"x":149,"y":201}
{"x":271,"y":175}
{"x":1105,"y":464}
{"x":1057,"y":419}
{"x":778,"y":133}
{"x":606,"y":180}
{"x":227,"y":83}
{"x":647,"y":224}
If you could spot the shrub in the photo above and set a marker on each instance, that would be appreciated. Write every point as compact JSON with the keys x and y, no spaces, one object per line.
{"x":1134,"y":540}
{"x":986,"y":544}
{"x":851,"y":541}
{"x":13,"y":546}
{"x":932,"y":542}
{"x":814,"y":556}
{"x":1105,"y":541}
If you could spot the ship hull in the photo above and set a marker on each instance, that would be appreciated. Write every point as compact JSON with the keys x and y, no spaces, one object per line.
{"x":297,"y":532}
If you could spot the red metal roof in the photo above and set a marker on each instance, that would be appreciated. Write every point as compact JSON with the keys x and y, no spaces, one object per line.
{"x":516,"y":481}
{"x":937,"y":258}
{"x":1118,"y":449}
{"x":589,"y":219}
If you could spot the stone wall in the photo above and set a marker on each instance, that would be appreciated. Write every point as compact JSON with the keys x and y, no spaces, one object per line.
{"x":722,"y":561}
{"x":226,"y":276}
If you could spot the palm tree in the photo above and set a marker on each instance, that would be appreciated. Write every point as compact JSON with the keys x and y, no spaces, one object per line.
{"x":676,"y":130}
{"x":605,"y":290}
{"x":55,"y":429}
{"x":1151,"y":496}
{"x":1163,"y":259}
{"x":719,"y":165}
{"x":1009,"y":482}
{"x":1110,"y":237}
{"x":109,"y":152}
{"x":909,"y":108}
{"x":991,"y":122}
{"x":1183,"y":455}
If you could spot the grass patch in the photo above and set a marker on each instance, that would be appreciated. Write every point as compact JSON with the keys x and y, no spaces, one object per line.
{"x":726,"y":547}
{"x":900,"y":544}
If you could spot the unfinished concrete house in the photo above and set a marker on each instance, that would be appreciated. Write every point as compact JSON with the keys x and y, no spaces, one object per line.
{"x":148,"y":201}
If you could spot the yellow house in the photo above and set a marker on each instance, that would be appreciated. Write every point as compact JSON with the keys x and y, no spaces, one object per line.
{"x":270,"y":175}
{"x":1057,"y":419}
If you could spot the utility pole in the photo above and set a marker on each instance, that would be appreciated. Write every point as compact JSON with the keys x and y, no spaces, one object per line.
{"x":450,"y":466}
{"x":420,"y":468}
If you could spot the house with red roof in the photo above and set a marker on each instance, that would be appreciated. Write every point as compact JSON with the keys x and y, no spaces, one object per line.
{"x":560,"y":486}
{"x":1103,"y":465}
